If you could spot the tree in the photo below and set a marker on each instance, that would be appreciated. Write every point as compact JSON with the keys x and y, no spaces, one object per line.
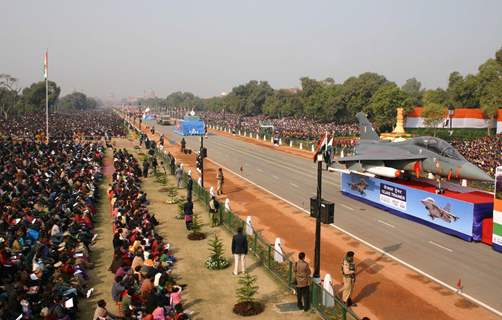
{"x":438,"y":96}
{"x":463,"y":92}
{"x":196,"y":223}
{"x":412,"y":87}
{"x":312,"y":97}
{"x":434,"y":112}
{"x":282,"y":103}
{"x":248,"y":98}
{"x":75,"y":101}
{"x":213,"y":104}
{"x":34,"y":95}
{"x":179,"y":99}
{"x":9,"y":94}
{"x":384,"y":103}
{"x":216,"y":261}
{"x":491,"y":101}
{"x":248,"y":288}
{"x":356,"y":92}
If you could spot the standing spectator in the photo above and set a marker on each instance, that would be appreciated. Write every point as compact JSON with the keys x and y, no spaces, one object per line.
{"x":183,"y":144}
{"x":161,"y":140}
{"x":349,"y":277}
{"x":154,"y":164}
{"x":219,"y":177}
{"x":172,"y":164}
{"x":179,"y":176}
{"x":302,"y":277}
{"x":188,"y":212}
{"x":189,"y":188}
{"x":239,"y":250}
{"x":214,"y":207}
{"x":146,"y":166}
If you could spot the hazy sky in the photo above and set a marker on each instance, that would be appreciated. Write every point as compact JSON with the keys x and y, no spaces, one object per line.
{"x":126,"y":47}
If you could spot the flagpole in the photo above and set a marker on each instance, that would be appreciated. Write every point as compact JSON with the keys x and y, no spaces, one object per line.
{"x":47,"y":109}
{"x":46,"y":58}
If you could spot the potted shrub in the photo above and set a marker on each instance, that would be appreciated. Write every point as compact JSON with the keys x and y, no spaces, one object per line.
{"x":216,"y":261}
{"x":246,"y":304}
{"x":195,"y":233}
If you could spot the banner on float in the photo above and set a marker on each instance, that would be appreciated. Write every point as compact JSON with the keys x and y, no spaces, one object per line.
{"x":189,"y":127}
{"x":461,"y":118}
{"x":497,"y":211}
{"x":446,"y":214}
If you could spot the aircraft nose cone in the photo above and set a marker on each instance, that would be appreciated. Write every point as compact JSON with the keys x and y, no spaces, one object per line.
{"x":472,"y":172}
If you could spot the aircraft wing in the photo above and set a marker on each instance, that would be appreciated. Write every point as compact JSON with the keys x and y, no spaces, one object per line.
{"x":380,"y":152}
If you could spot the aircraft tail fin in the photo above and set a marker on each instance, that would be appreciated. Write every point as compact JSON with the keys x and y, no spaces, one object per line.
{"x":366,"y":131}
{"x":447,"y":208}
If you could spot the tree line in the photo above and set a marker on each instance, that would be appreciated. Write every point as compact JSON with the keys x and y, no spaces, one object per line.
{"x":327,"y":100}
{"x":14,"y":99}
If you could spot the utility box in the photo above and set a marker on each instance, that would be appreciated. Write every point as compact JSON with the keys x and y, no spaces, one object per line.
{"x":327,"y":210}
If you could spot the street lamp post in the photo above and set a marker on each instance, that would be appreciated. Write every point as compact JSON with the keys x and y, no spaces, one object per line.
{"x":201,"y":154}
{"x":317,"y":249}
{"x":451,"y":111}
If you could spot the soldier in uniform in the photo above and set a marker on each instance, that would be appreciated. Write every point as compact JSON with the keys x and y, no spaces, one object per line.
{"x":349,"y":277}
{"x":220,"y":178}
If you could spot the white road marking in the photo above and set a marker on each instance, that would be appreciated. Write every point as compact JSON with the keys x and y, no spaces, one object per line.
{"x":275,"y":177}
{"x":293,"y":185}
{"x":386,"y":223}
{"x":406,"y":264}
{"x":347,"y":207}
{"x":440,"y":246}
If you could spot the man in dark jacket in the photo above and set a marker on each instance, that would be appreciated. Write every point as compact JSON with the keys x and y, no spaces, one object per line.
{"x":146,"y":166}
{"x":239,"y":250}
{"x":302,"y":278}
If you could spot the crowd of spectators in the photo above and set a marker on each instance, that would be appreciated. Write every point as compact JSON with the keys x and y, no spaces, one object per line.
{"x":47,"y":204}
{"x":485,"y":152}
{"x":287,"y":127}
{"x":144,"y":287}
{"x":79,"y":124}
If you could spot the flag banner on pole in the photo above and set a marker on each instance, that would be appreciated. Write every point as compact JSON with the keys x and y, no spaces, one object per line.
{"x":46,"y":64}
{"x":322,"y":146}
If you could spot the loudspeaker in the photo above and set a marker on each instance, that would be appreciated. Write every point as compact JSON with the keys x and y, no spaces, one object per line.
{"x":327,"y":210}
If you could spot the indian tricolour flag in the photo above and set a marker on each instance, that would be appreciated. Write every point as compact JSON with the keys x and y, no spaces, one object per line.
{"x":322,"y":146}
{"x":46,"y":64}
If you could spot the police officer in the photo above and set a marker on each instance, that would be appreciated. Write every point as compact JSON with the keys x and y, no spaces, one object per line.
{"x":349,"y":277}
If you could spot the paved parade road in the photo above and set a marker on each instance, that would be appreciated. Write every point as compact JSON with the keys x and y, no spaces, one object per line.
{"x":293,"y":178}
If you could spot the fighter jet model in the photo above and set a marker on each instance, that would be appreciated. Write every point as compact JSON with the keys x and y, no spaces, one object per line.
{"x":436,"y":212}
{"x":375,"y":157}
{"x":359,"y":186}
